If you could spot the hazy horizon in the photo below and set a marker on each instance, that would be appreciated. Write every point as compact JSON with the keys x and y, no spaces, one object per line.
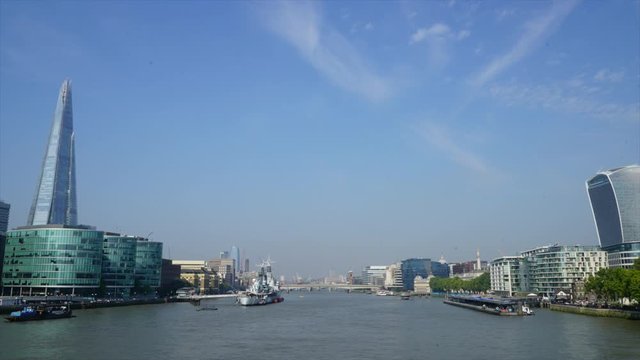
{"x":326,"y":135}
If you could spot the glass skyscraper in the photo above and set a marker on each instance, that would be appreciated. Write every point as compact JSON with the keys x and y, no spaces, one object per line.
{"x":55,"y":198}
{"x":615,"y":202}
{"x":235,"y":254}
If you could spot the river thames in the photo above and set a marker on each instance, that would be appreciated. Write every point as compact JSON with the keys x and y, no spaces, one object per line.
{"x":319,"y":326}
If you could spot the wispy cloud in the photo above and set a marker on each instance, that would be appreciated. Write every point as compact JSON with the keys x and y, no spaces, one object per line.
{"x":536,"y":31}
{"x":440,"y":138}
{"x":330,"y":53}
{"x":573,"y":96}
{"x":438,"y":36}
{"x":606,"y":75}
{"x":504,"y":13}
{"x":437,"y":31}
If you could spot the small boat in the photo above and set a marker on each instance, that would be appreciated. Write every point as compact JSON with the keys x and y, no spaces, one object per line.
{"x":405,"y":296}
{"x":384,"y":293}
{"x":41,"y":312}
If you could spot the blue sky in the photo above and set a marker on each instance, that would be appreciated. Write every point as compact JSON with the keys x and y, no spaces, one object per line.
{"x":327,"y":135}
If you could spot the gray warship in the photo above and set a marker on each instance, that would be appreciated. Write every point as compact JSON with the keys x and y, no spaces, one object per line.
{"x":264,"y":290}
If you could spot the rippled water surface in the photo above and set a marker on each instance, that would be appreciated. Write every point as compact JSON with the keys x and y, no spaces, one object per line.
{"x":319,"y":326}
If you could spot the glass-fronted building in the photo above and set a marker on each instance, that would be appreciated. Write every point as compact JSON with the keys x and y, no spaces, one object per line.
{"x":505,"y":275}
{"x":374,"y":275}
{"x":557,"y":268}
{"x":118,"y":264}
{"x":55,"y":198}
{"x":4,"y":217}
{"x":235,"y":254}
{"x":52,"y":259}
{"x":412,"y":268}
{"x":440,"y":268}
{"x":148,"y":270}
{"x":615,"y":203}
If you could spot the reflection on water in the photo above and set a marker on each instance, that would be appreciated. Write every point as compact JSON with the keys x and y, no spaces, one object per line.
{"x":320,"y":326}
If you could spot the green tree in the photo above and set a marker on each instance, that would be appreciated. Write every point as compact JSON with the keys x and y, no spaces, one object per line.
{"x":615,"y":284}
{"x":481,"y":283}
{"x":636,"y":265}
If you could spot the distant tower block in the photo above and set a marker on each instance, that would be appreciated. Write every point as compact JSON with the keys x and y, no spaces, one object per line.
{"x":478,"y":264}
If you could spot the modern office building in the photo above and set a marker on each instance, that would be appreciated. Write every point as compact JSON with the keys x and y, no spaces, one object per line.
{"x":224,"y":254}
{"x":235,"y":255}
{"x":546,"y":270}
{"x":246,"y":265}
{"x":148,"y":263}
{"x":505,"y":275}
{"x":4,"y":226}
{"x":393,"y":276}
{"x":440,"y":268}
{"x":615,"y":204}
{"x":374,"y":275}
{"x":559,"y":268}
{"x":55,"y":198}
{"x":118,"y":264}
{"x":4,"y":216}
{"x":52,"y":259}
{"x":412,"y":268}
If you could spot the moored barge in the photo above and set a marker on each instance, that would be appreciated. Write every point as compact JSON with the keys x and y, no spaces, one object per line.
{"x":499,"y":306}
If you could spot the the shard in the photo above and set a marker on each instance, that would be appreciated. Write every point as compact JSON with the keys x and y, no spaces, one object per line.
{"x":55,"y":198}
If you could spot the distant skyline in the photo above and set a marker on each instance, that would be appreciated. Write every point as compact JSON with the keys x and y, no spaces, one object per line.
{"x":326,"y":135}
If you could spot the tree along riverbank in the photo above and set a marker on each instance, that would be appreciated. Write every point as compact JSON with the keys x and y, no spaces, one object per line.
{"x":617,"y":313}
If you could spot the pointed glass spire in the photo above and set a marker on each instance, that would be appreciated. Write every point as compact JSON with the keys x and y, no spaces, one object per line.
{"x":55,"y":198}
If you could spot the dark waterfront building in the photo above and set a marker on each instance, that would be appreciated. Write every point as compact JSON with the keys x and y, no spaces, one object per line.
{"x":55,"y":198}
{"x":615,"y":203}
{"x":50,"y":259}
{"x":4,"y":216}
{"x":148,"y":263}
{"x":4,"y":226}
{"x":440,"y":269}
{"x":412,"y":268}
{"x":3,"y":239}
{"x":235,"y":255}
{"x":169,"y":274}
{"x":423,"y":267}
{"x":118,"y":264}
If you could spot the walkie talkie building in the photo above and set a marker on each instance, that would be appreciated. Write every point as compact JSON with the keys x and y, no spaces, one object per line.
{"x":615,"y":202}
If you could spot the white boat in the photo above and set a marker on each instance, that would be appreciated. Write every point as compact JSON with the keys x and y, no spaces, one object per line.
{"x":384,"y":293}
{"x":264,"y":290}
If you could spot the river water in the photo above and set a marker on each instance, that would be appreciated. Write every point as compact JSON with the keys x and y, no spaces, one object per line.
{"x":319,"y":325}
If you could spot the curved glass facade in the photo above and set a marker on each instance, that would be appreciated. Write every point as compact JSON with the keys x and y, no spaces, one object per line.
{"x":118,"y":264}
{"x":615,"y":202}
{"x":52,"y":259}
{"x":148,"y":263}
